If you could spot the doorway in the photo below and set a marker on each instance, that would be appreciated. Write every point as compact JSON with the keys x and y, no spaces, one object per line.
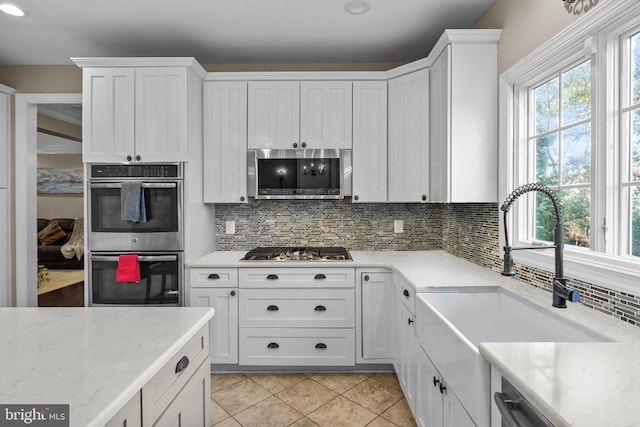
{"x":26,"y":255}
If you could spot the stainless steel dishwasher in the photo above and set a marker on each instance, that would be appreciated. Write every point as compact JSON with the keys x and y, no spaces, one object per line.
{"x":515,"y":410}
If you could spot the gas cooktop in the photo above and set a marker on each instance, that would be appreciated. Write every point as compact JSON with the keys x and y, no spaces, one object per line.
{"x":298,"y":254}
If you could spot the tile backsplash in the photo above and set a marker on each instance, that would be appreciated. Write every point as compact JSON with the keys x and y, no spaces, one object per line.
{"x":469,"y":231}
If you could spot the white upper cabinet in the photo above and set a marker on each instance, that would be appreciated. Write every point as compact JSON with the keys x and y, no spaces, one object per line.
{"x":369,"y":141}
{"x":409,"y":137}
{"x":325,"y":115}
{"x":161,"y":114}
{"x":225,"y":142}
{"x":274,"y":115}
{"x":291,"y":114}
{"x":135,"y":113}
{"x":463,"y":118}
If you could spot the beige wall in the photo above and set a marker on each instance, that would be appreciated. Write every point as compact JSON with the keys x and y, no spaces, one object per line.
{"x":526,"y":25}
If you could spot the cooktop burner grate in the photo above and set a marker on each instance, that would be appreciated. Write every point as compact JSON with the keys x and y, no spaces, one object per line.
{"x":279,"y":253}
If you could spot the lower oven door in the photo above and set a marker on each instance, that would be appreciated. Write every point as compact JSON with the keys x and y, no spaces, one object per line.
{"x":160,"y":280}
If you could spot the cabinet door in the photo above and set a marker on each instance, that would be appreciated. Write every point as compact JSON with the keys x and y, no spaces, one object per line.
{"x":5,"y":137}
{"x":225,"y":142}
{"x":273,"y":115}
{"x":407,"y":363}
{"x":377,"y":315}
{"x":129,"y":416}
{"x":454,"y":413}
{"x":325,"y":115}
{"x":409,"y":137}
{"x":108,"y":126}
{"x":429,"y":398}
{"x":439,"y":128}
{"x":369,"y":142}
{"x":223,"y":327}
{"x":161,"y":112}
{"x":192,"y":406}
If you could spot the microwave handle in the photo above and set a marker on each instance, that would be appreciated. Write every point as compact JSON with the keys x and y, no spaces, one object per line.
{"x":143,"y":258}
{"x":144,"y":185}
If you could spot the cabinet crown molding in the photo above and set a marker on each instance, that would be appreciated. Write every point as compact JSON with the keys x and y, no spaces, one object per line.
{"x":6,"y":89}
{"x":189,"y":62}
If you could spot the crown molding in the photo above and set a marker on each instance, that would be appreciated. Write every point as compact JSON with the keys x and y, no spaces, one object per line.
{"x":6,"y":89}
{"x":188,"y":62}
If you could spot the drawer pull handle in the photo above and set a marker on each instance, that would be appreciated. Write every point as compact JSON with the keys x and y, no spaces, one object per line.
{"x":405,"y":293}
{"x":272,"y":277}
{"x":273,"y":345}
{"x":182,"y":364}
{"x":214,"y":276}
{"x":321,"y":346}
{"x":320,"y":277}
{"x":320,"y":308}
{"x":272,"y":308}
{"x":410,"y":321}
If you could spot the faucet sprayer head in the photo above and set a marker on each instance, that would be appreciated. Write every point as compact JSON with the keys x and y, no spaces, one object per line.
{"x":506,"y":206}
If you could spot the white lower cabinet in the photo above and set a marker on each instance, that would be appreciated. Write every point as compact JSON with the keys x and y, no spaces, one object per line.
{"x":129,"y":416}
{"x":437,"y":405}
{"x":224,"y":324}
{"x":377,"y":316}
{"x":406,"y":360}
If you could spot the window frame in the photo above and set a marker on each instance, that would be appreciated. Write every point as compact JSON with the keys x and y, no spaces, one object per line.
{"x":596,"y":36}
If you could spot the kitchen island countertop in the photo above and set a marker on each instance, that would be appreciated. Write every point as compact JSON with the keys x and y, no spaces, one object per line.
{"x":94,"y":359}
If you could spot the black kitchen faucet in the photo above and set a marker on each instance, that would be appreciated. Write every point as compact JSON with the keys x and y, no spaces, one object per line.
{"x":560,"y":291}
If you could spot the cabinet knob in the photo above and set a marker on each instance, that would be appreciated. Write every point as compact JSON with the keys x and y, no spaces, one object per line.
{"x":424,"y":197}
{"x":366,"y":278}
{"x":410,"y":321}
{"x":242,"y":198}
{"x":405,"y":293}
{"x":272,"y":308}
{"x":233,"y":293}
{"x":213,"y":276}
{"x":304,"y":144}
{"x":435,"y":382}
{"x":273,"y":345}
{"x":128,"y":158}
{"x":321,"y":346}
{"x":295,"y":145}
{"x":320,"y":308}
{"x":356,"y":197}
{"x":138,"y":158}
{"x":442,"y":388}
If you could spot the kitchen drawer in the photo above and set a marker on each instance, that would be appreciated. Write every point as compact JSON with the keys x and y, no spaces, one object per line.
{"x":297,"y":347}
{"x":406,"y":293}
{"x":213,"y":277}
{"x":297,"y":308}
{"x":297,"y":277}
{"x":160,"y":391}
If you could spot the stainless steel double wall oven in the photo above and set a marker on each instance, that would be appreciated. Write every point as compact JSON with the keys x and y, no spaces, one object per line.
{"x":158,"y":242}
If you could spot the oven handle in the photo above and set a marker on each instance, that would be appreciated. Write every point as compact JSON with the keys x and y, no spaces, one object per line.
{"x":144,"y":185}
{"x":143,"y":258}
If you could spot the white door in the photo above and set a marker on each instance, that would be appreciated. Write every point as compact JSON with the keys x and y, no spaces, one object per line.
{"x":409,"y":137}
{"x":325,"y":115}
{"x":162,"y":114}
{"x":273,"y":115}
{"x":223,"y":327}
{"x":192,"y":406}
{"x":108,"y":119}
{"x":225,"y":142}
{"x":439,"y":129}
{"x":429,"y":398}
{"x":369,"y":142}
{"x":377,"y":315}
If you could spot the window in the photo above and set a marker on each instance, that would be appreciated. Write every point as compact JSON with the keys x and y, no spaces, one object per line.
{"x":560,"y":141}
{"x":570,"y":119}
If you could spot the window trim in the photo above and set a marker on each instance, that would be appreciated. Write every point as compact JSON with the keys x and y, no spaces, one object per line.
{"x":596,"y":32}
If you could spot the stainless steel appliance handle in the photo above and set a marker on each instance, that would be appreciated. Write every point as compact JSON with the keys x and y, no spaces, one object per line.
{"x":144,"y":185}
{"x":503,"y":402}
{"x":172,"y":293}
{"x":144,"y":258}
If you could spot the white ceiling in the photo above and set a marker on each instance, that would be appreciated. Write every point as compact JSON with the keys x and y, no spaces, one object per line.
{"x":230,"y":31}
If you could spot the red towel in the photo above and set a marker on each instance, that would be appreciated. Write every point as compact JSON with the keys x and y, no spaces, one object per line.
{"x":128,"y":269}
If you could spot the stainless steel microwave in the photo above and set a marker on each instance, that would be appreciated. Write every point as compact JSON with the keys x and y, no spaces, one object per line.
{"x":300,"y":174}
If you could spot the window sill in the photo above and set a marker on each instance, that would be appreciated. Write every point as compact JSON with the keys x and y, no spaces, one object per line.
{"x":617,"y":273}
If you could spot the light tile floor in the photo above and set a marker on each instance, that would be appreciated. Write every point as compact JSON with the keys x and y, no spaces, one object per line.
{"x":305,"y":400}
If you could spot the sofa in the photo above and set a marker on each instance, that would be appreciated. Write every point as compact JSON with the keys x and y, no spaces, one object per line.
{"x":52,"y":235}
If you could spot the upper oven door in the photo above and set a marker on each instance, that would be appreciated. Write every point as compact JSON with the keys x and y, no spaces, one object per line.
{"x":162,"y":231}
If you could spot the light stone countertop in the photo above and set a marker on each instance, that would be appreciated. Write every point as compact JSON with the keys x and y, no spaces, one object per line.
{"x":573,"y":384}
{"x":94,"y":359}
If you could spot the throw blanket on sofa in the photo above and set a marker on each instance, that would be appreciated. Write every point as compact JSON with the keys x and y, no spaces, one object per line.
{"x":75,"y":245}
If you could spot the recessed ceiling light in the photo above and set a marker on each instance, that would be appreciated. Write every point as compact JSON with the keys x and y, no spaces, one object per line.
{"x":12,"y":10}
{"x":357,"y":7}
